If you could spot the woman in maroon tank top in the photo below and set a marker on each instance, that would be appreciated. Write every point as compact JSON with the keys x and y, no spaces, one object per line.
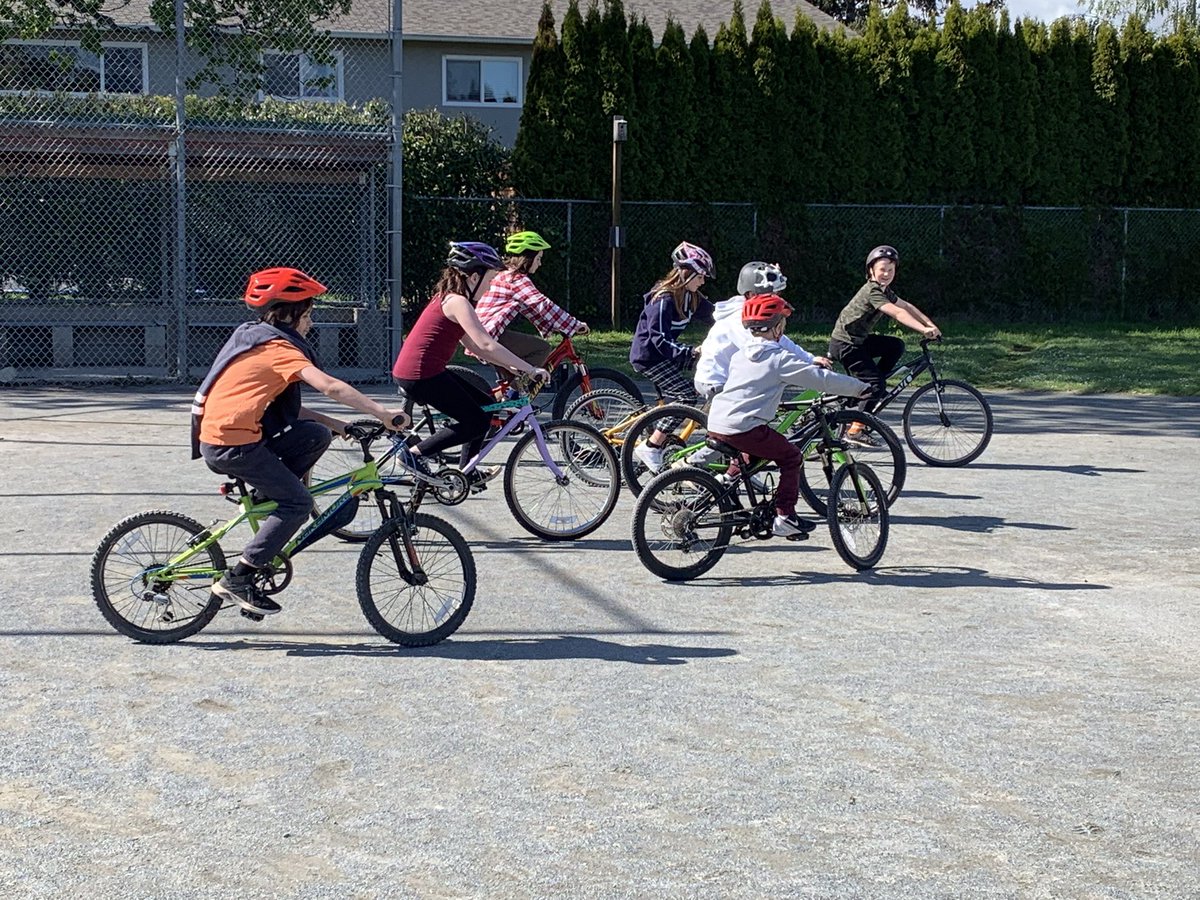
{"x":420,"y":368}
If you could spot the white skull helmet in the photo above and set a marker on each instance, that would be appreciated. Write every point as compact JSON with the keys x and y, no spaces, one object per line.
{"x":760,"y":278}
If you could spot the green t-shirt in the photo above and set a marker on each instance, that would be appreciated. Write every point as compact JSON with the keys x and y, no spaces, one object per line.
{"x":861,"y":314}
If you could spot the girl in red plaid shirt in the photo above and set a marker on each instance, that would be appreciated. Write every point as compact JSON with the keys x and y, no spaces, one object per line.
{"x":513,"y":294}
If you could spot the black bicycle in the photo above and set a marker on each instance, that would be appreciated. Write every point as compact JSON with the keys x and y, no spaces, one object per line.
{"x":946,"y":422}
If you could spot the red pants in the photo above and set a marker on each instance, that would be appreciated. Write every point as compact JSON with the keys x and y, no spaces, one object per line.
{"x":764,"y":442}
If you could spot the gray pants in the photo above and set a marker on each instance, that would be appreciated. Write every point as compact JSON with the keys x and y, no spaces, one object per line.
{"x":274,"y":467}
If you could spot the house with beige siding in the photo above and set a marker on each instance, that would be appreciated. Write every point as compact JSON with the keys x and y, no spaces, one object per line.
{"x":460,"y":56}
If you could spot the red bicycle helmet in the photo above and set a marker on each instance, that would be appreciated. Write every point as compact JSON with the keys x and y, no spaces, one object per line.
{"x":271,"y":287}
{"x":765,"y":311}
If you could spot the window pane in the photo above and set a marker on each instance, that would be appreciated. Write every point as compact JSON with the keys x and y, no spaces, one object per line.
{"x":462,"y":81}
{"x":123,"y":70}
{"x":501,"y":81}
{"x":319,"y":81}
{"x":42,"y":67}
{"x":282,"y":77}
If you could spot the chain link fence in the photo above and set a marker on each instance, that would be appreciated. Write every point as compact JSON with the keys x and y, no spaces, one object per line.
{"x":984,"y":264}
{"x":127,"y":231}
{"x":126,"y":236}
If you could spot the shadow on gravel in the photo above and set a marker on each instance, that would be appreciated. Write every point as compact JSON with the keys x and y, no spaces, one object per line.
{"x":1081,"y":469}
{"x":906,"y":577}
{"x":975,"y":524}
{"x":516,"y":649}
{"x":533,"y":545}
{"x":939,"y":495}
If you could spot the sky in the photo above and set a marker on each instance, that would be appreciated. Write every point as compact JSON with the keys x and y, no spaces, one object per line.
{"x":1046,"y":10}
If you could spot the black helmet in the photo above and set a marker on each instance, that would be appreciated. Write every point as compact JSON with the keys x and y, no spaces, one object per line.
{"x":883,"y":251}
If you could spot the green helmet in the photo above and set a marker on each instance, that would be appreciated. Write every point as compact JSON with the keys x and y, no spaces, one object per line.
{"x":523,"y":241}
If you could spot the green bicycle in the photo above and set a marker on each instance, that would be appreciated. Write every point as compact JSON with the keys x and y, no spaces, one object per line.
{"x":627,"y":425}
{"x":686,"y":517}
{"x":152,"y":574}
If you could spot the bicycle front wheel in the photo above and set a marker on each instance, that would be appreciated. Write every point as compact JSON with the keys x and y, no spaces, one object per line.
{"x":858,"y":516}
{"x":682,"y":523}
{"x":574,"y":503}
{"x":599,"y":379}
{"x":137,"y":603}
{"x":679,"y":447}
{"x":886,"y":458}
{"x":416,"y":610}
{"x":947,"y":423}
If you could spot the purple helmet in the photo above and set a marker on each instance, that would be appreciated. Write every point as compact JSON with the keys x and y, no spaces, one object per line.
{"x":694,"y":259}
{"x":473,"y":256}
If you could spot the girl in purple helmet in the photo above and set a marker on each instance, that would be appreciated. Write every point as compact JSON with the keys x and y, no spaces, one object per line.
{"x":657,"y":352}
{"x":420,"y":369}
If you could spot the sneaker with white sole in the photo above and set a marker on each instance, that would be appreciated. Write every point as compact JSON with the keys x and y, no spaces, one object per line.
{"x":861,"y":439}
{"x":414,"y":462}
{"x":651,"y":457}
{"x":240,"y":589}
{"x":479,"y":478}
{"x":789,"y":526}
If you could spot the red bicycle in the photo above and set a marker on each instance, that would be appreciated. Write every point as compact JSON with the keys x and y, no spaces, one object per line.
{"x":570,"y":379}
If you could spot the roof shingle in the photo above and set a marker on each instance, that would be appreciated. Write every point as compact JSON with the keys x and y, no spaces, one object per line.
{"x":516,"y":20}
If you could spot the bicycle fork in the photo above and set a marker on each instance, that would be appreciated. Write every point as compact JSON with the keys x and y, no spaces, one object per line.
{"x":408,"y":563}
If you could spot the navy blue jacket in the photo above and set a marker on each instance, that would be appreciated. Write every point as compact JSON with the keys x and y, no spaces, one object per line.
{"x":655,"y":339}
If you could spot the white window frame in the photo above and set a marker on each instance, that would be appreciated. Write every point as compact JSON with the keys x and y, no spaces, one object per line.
{"x":339,"y":62}
{"x":480,"y":104}
{"x":76,"y":44}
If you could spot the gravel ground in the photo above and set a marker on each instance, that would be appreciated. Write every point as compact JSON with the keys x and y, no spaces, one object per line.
{"x":1006,"y":707}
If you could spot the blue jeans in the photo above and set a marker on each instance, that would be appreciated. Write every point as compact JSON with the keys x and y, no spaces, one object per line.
{"x":274,"y":467}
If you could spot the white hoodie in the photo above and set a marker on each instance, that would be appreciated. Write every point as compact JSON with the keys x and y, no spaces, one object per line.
{"x":759,"y":373}
{"x":725,"y":338}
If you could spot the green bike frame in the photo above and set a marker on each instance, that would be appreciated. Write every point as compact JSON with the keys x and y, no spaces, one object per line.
{"x":360,"y":481}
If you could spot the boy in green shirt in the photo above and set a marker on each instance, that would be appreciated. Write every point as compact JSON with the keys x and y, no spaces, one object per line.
{"x":870,"y":357}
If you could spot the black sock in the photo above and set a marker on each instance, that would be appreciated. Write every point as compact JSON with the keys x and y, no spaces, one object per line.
{"x":242,"y":569}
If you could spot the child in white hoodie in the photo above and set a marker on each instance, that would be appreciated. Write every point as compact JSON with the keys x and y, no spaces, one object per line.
{"x":759,"y":373}
{"x":728,"y":335}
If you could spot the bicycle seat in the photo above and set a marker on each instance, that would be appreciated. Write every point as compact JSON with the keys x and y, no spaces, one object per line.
{"x":723,"y":448}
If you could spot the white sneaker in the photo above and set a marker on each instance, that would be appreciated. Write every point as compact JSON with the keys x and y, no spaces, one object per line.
{"x":651,"y":457}
{"x":790,"y":526}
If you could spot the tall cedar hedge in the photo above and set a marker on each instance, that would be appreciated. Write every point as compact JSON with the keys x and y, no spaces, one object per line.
{"x":977,"y":111}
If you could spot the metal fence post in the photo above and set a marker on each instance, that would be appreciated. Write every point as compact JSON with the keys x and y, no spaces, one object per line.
{"x":1124,"y":260}
{"x":396,"y":187}
{"x":180,"y":292}
{"x":570,"y":207}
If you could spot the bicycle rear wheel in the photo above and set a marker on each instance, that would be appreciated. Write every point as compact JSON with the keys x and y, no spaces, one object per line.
{"x":343,"y":457}
{"x":600,"y":379}
{"x":126,"y":591}
{"x":682,"y":523}
{"x":858,"y":517}
{"x":887,"y":459}
{"x":416,"y":615}
{"x":947,"y":423}
{"x":677,"y":450}
{"x":578,"y":502}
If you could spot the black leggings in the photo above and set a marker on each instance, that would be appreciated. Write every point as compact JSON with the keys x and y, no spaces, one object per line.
{"x":449,"y":394}
{"x":870,"y":361}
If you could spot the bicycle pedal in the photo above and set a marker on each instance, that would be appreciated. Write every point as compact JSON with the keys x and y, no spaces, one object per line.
{"x":253,"y":617}
{"x":802,"y":536}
